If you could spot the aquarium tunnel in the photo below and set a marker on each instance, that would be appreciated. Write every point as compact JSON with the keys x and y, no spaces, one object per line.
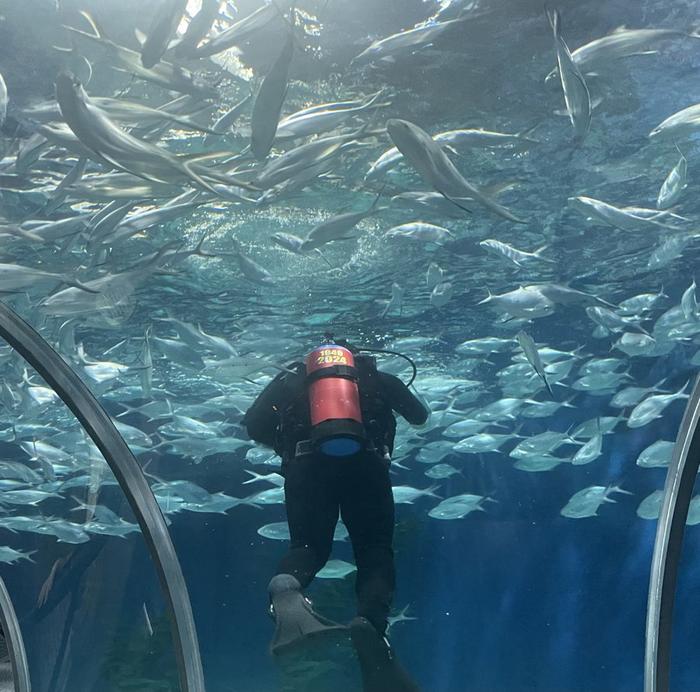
{"x":349,"y":346}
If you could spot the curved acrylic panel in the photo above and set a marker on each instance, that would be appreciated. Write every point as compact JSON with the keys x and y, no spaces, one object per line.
{"x":667,"y":548}
{"x":99,"y":426}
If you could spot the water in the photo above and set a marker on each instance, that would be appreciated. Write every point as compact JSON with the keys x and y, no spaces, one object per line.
{"x":515,"y":597}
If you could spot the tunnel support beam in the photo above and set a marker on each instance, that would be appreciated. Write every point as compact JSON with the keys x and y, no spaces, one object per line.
{"x":97,"y":423}
{"x":14,"y":642}
{"x":678,"y":489}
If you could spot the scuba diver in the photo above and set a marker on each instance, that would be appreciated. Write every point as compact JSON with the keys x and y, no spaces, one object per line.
{"x":331,"y":421}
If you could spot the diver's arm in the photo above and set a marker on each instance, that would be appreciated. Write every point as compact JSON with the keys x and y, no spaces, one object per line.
{"x":262,"y":418}
{"x":402,"y":399}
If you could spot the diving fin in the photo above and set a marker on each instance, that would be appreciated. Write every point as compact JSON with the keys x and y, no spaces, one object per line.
{"x":380,"y":670}
{"x":296,"y":621}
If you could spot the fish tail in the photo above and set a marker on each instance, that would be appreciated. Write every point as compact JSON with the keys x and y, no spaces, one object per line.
{"x":546,"y":384}
{"x":554,"y":18}
{"x":681,"y":392}
{"x":431,"y":491}
{"x":488,"y":298}
{"x":538,"y":254}
{"x":616,"y":489}
{"x":525,"y":134}
{"x":79,"y":284}
{"x":99,"y":33}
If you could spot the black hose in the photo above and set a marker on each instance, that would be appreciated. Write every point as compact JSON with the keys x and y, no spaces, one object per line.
{"x":394,"y":353}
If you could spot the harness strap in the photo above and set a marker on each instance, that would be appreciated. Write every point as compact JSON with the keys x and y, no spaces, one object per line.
{"x":345,"y":371}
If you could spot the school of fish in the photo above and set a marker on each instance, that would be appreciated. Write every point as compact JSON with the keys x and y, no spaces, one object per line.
{"x":181,"y":238}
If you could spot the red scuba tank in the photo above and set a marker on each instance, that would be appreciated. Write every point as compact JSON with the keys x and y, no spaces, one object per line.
{"x":334,"y":401}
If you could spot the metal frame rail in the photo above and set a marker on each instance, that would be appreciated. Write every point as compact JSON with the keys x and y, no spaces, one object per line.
{"x":682,"y":472}
{"x":71,"y":389}
{"x":14,"y":642}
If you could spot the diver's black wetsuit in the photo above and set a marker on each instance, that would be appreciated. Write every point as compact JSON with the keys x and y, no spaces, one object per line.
{"x":318,"y":487}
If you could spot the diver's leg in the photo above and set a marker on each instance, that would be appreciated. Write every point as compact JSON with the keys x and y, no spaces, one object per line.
{"x":367,"y":508}
{"x":312,"y":513}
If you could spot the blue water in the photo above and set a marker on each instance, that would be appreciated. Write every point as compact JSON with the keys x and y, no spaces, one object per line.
{"x":511,"y":599}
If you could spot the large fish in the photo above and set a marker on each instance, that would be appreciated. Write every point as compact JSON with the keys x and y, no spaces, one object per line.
{"x":318,"y":121}
{"x":117,"y":148}
{"x":576,"y":95}
{"x":433,"y":165}
{"x":412,"y":39}
{"x":681,"y":124}
{"x":239,"y":31}
{"x":616,"y":216}
{"x":268,"y":102}
{"x":122,"y":110}
{"x":621,"y":43}
{"x":338,"y":227}
{"x":164,"y":74}
{"x":472,"y":138}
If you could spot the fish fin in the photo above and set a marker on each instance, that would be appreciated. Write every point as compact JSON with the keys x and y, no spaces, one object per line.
{"x":642,"y":52}
{"x":94,"y":25}
{"x":554,"y":19}
{"x":538,"y":254}
{"x":546,"y":384}
{"x":488,"y":298}
{"x":140,"y":37}
{"x":524,"y":134}
{"x":79,"y":284}
{"x":453,"y":200}
{"x":495,"y":189}
{"x":618,"y":489}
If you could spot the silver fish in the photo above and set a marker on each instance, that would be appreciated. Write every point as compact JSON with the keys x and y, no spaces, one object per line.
{"x":532,"y":354}
{"x":576,"y":95}
{"x":673,"y":185}
{"x":518,"y":257}
{"x":430,"y":161}
{"x":269,"y":100}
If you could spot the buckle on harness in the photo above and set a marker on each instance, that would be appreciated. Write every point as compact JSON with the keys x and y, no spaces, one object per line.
{"x":303,"y":448}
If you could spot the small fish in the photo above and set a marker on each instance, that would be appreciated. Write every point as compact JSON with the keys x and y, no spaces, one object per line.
{"x":419,"y":230}
{"x":650,"y":506}
{"x":518,"y":257}
{"x":3,"y":101}
{"x":434,"y":275}
{"x":458,"y":506}
{"x":674,"y":184}
{"x":532,"y":354}
{"x":440,"y":471}
{"x":586,"y":502}
{"x":652,"y":407}
{"x":147,"y":621}
{"x":396,"y":301}
{"x":441,"y":294}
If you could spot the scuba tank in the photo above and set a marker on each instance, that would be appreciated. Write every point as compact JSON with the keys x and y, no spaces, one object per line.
{"x":334,"y":401}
